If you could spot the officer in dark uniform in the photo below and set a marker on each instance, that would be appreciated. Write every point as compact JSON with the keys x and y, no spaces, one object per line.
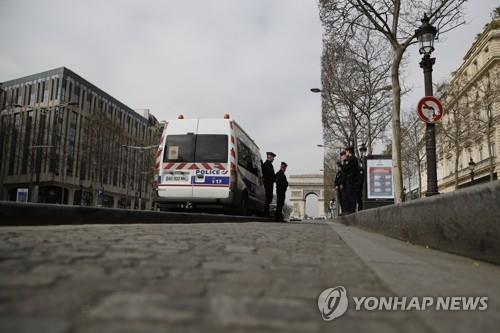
{"x":268,"y":178}
{"x":281,"y":187}
{"x":351,"y":174}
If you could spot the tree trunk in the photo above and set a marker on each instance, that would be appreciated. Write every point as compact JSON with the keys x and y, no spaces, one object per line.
{"x":397,"y":175}
{"x":457,"y":158}
{"x":488,"y":142}
{"x":419,"y":180}
{"x":369,"y":139}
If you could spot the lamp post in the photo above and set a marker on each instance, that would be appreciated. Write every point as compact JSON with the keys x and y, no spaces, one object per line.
{"x":472,"y":165}
{"x":426,"y":34}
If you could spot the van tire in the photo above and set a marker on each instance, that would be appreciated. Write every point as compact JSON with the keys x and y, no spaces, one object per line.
{"x":243,"y":209}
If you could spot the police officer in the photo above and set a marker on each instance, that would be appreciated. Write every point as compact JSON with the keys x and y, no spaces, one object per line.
{"x":281,"y":187}
{"x":268,"y":178}
{"x":351,"y":174}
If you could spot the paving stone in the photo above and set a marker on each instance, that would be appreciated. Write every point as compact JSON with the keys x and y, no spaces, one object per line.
{"x":25,"y":324}
{"x":241,"y":277}
{"x":239,"y":248}
{"x":145,"y":306}
{"x":26,"y":280}
{"x":272,"y":313}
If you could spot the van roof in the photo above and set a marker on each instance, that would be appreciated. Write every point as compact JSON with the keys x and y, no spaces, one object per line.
{"x":221,"y":119}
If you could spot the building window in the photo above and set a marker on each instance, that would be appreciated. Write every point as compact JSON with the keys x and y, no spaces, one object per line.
{"x":42,"y":92}
{"x":70,"y":91}
{"x":16,"y":96}
{"x":27,"y":142}
{"x":83,"y":99}
{"x":73,"y":117}
{"x":25,"y":95}
{"x":14,"y":144}
{"x":57,"y":89}
{"x":63,"y":89}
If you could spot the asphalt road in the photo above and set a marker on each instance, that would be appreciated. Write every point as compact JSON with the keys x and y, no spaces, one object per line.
{"x":229,"y":277}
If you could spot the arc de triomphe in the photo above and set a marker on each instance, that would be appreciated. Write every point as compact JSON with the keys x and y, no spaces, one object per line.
{"x":302,"y":186}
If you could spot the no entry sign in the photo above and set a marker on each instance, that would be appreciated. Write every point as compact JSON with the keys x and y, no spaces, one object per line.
{"x":430,"y":109}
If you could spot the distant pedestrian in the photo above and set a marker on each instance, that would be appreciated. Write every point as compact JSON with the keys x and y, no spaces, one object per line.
{"x":281,"y":187}
{"x":269,"y":179}
{"x":350,"y":188}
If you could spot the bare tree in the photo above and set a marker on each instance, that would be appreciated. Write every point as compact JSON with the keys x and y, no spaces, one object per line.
{"x":355,"y":82}
{"x":412,"y":143}
{"x":396,"y":21}
{"x":455,"y":129}
{"x":487,"y":97}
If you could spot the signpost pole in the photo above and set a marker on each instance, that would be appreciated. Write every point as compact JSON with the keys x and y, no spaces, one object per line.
{"x":430,"y":130}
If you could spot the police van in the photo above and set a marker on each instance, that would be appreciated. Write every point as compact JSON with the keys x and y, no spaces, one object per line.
{"x":208,"y":163}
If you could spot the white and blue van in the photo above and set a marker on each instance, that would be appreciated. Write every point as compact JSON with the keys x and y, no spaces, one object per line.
{"x":208,"y":163}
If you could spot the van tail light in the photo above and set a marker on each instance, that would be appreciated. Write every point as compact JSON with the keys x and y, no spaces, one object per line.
{"x":156,"y":182}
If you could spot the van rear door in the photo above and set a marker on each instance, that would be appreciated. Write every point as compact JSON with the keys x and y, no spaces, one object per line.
{"x":177,"y":157}
{"x":212,"y":154}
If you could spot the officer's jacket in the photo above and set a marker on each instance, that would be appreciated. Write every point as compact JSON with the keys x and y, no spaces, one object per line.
{"x":268,"y":172}
{"x":281,"y":182}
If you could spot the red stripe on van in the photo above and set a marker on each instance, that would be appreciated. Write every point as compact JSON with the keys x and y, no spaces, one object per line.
{"x":219,"y":166}
{"x":169,"y":166}
{"x":233,"y":153}
{"x":233,"y":166}
{"x":193,"y":167}
{"x":206,"y":166}
{"x":232,"y":139}
{"x":180,"y":166}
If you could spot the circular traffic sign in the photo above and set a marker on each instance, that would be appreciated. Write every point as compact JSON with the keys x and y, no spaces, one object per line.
{"x":430,"y":109}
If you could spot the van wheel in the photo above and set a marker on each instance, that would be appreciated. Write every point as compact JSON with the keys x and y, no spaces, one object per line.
{"x":244,"y":205}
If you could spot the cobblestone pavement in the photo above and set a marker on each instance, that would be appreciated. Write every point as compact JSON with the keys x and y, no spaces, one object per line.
{"x":228,"y":277}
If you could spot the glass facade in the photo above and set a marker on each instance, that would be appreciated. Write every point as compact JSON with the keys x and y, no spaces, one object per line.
{"x":77,"y":145}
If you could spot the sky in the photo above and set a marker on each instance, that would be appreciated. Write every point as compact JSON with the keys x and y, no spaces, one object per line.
{"x":253,"y":59}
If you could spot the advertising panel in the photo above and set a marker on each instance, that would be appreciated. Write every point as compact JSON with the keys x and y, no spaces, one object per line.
{"x":379,"y":179}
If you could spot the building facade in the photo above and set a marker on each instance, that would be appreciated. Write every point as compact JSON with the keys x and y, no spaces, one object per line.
{"x":469,"y":134}
{"x":63,"y":140}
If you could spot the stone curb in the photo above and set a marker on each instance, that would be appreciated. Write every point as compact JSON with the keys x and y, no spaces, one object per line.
{"x":29,"y":214}
{"x":465,"y":222}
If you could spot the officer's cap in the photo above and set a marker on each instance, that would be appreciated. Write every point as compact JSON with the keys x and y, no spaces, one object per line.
{"x":284,"y":164}
{"x":271,"y":153}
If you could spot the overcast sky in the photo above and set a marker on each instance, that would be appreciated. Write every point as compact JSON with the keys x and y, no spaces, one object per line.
{"x":255,"y":59}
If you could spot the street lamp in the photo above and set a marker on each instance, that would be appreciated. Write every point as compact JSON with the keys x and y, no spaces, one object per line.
{"x":472,"y":165}
{"x":426,"y":34}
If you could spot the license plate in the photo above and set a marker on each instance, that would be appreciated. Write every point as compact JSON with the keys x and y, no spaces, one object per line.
{"x":177,"y":178}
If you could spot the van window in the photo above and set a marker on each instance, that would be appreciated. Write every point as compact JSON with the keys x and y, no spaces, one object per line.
{"x":245,"y":158}
{"x":211,"y":148}
{"x":179,"y":148}
{"x":206,"y":148}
